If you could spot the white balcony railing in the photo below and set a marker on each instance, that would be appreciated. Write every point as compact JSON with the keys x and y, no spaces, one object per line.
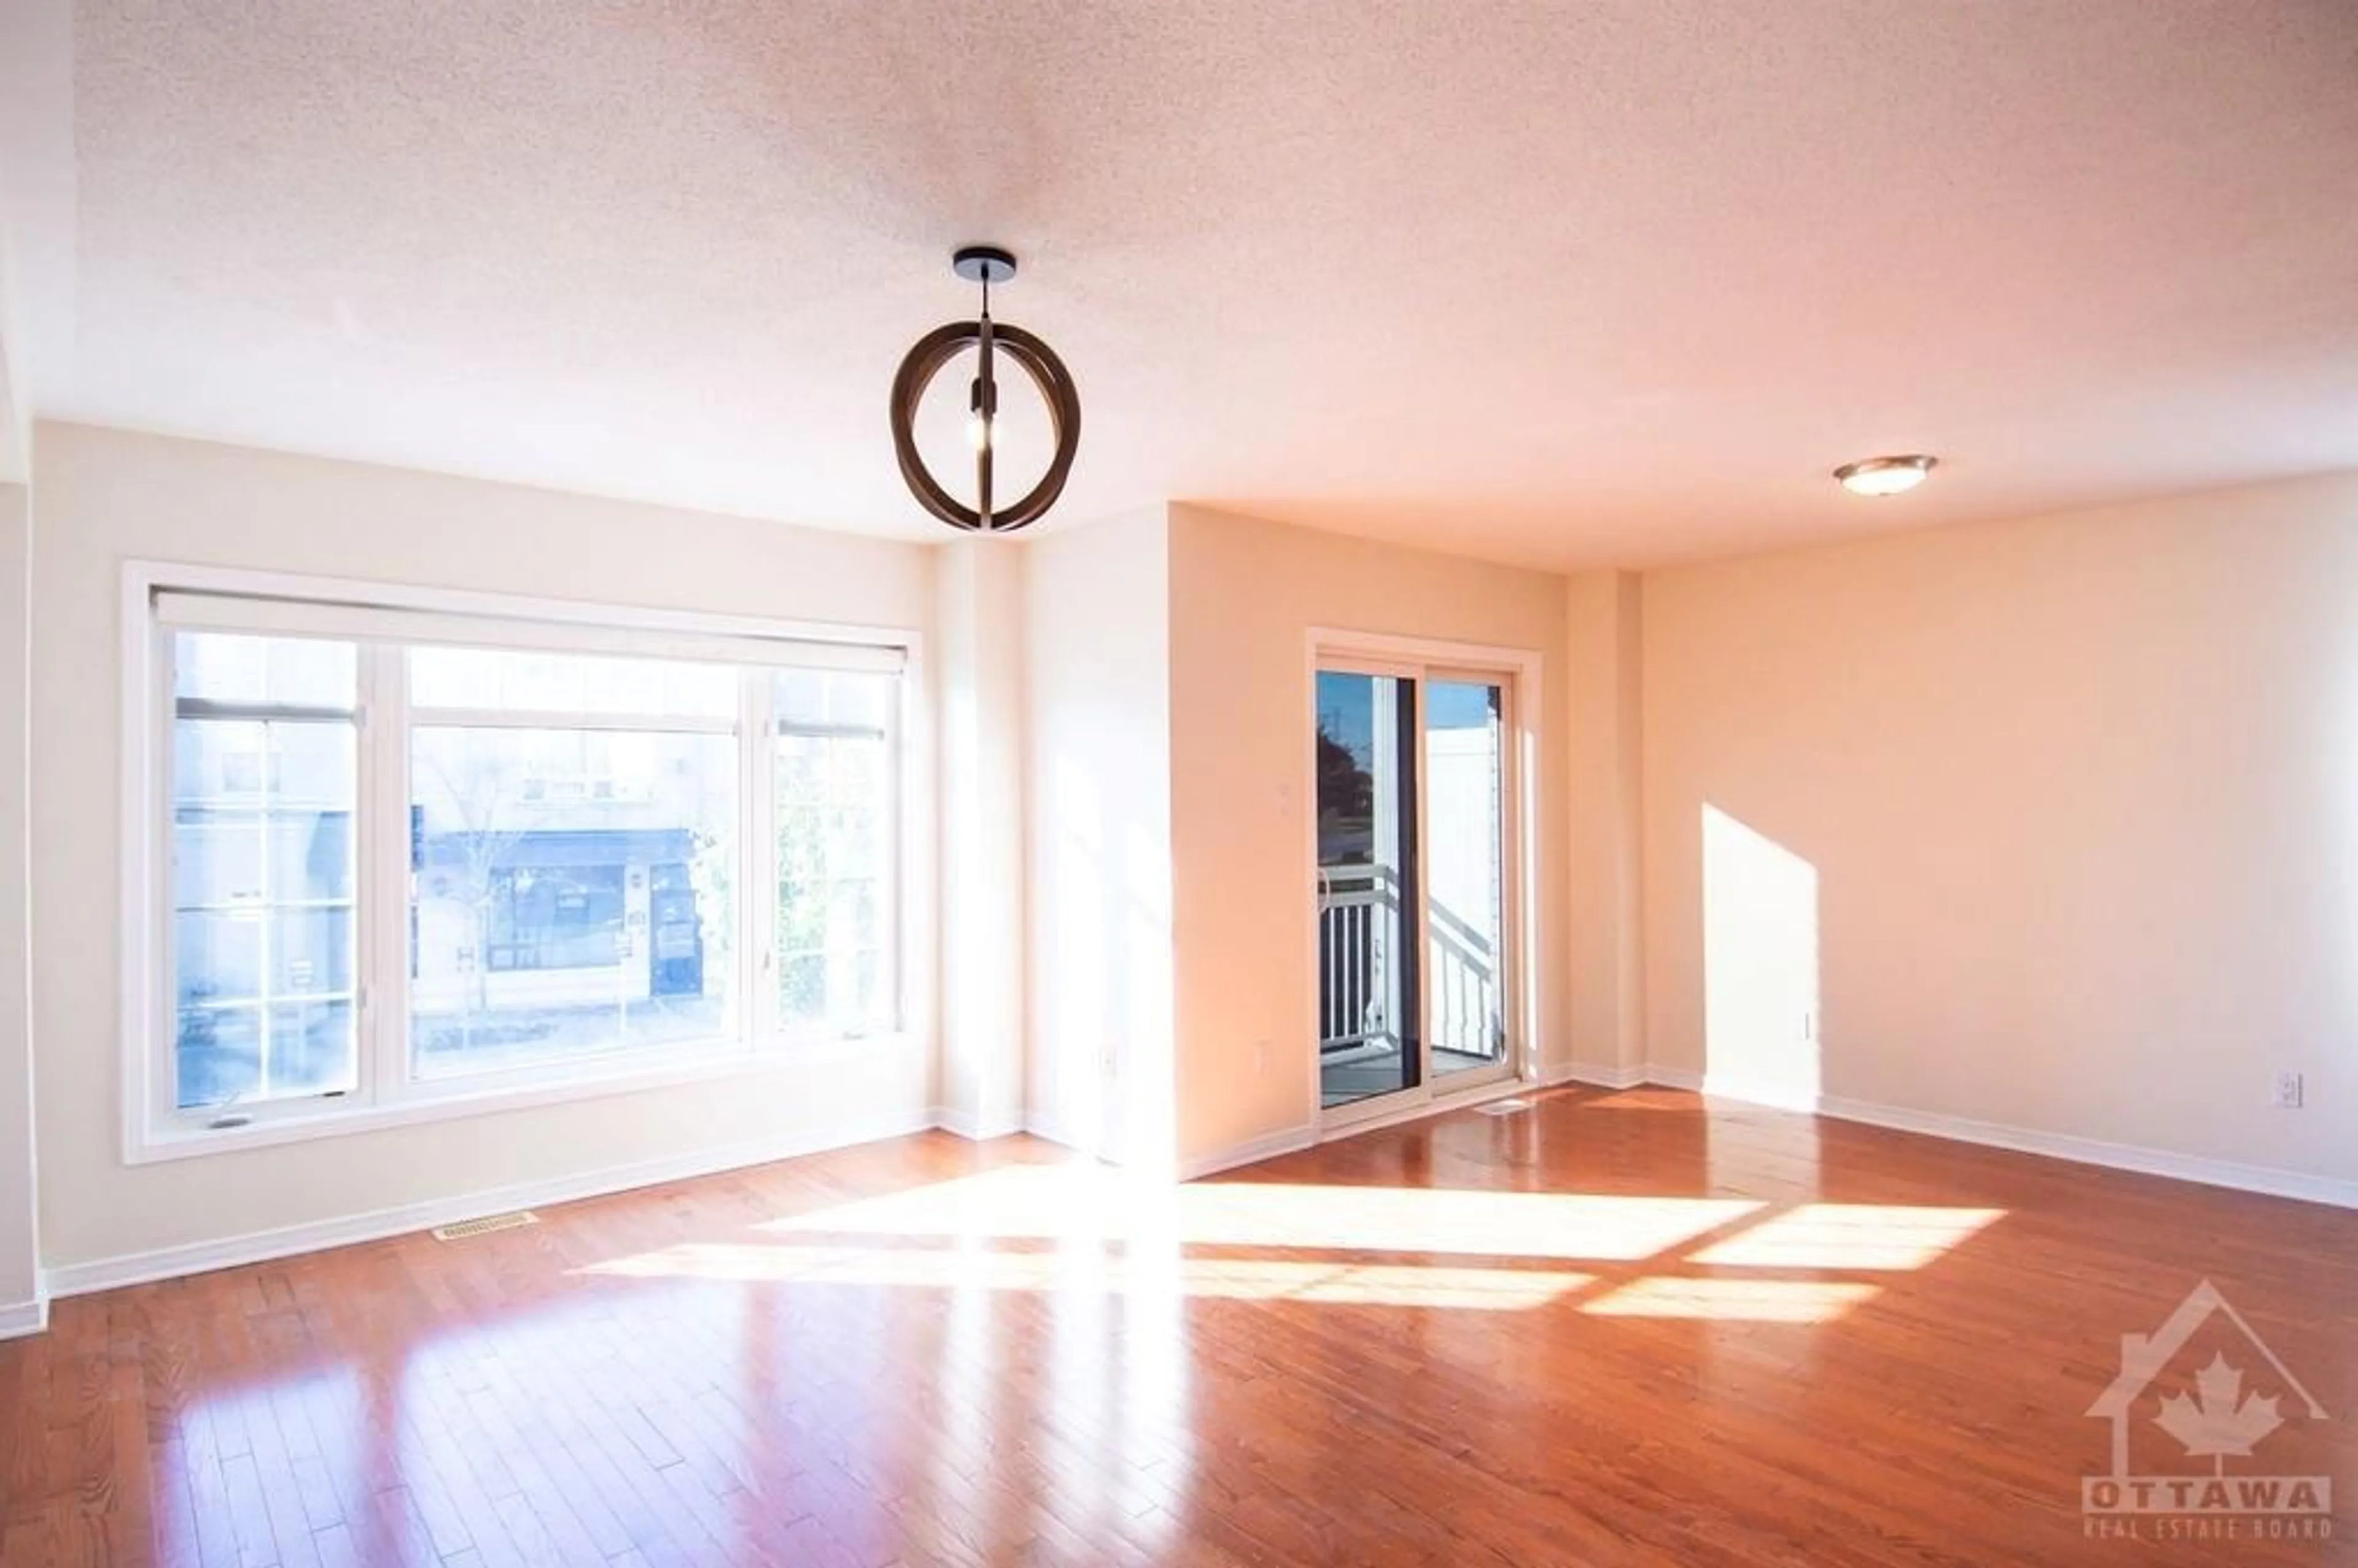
{"x":1359,"y":924}
{"x":1359,"y":930}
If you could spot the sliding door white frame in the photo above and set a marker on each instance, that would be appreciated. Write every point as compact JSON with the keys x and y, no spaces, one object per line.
{"x":1409,"y":937}
{"x":1518,"y":672}
{"x":1513,"y":970}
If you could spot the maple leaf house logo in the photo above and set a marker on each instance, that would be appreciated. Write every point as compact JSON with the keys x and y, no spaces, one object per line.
{"x":2218,"y":1413}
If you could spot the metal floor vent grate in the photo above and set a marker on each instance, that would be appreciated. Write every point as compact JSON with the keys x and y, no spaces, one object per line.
{"x":1504,"y":1106}
{"x":485,"y":1225}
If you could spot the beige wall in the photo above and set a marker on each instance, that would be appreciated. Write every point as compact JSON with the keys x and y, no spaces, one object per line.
{"x":1098,"y":602}
{"x":1244,"y":595}
{"x":20,"y":1254}
{"x":2076,"y":800}
{"x":107,"y":496}
{"x":1601,"y":713}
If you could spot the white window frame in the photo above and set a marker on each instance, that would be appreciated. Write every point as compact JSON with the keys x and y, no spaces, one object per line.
{"x":388,"y":1093}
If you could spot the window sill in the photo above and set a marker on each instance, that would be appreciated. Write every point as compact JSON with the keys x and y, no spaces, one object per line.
{"x":452,"y":1099}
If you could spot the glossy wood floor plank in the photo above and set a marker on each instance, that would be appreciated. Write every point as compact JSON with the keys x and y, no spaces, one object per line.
{"x":1616,"y":1329}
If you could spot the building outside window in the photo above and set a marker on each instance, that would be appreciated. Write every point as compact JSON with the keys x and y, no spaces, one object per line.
{"x":573,"y":885}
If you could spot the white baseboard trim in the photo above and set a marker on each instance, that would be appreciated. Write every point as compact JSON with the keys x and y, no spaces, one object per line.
{"x":20,"y":1318}
{"x":1744,"y":1091}
{"x":229,"y":1252}
{"x":2266,"y":1180}
{"x":1267,"y":1146}
{"x":1042,"y":1124}
{"x":1601,"y":1075}
{"x":974,"y":1129}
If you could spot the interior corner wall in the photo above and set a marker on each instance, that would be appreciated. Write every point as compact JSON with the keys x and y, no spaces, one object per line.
{"x":1601,"y":716}
{"x":19,"y":1229}
{"x":2075,"y":802}
{"x":1245,"y":594}
{"x":978,"y":670}
{"x":1098,"y":787}
{"x":107,"y":496}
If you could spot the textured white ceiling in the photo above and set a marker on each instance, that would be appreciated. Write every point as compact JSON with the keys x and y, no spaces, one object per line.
{"x":1549,"y":282}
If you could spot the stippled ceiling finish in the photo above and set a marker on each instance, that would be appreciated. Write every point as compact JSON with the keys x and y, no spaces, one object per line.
{"x":1548,"y":282}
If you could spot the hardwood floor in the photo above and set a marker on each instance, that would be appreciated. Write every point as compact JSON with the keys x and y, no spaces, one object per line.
{"x":1618,"y":1329}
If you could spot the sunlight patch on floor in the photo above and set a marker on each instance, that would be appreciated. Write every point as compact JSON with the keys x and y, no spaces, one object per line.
{"x":1730,"y":1301}
{"x":1221,"y":1279}
{"x":1873,"y":1236}
{"x":1084,"y":1233}
{"x":1069,"y":1203}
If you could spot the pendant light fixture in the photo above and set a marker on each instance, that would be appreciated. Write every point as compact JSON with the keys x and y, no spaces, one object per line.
{"x":992,"y":342}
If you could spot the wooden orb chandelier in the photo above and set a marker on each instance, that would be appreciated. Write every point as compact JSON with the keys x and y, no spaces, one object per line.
{"x":985,"y":265}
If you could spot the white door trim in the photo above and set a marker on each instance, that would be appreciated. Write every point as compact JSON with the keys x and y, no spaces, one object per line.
{"x":1420,"y":658}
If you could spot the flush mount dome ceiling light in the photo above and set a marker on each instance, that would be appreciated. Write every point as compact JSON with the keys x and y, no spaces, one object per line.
{"x":985,"y":265}
{"x":1885,"y":476}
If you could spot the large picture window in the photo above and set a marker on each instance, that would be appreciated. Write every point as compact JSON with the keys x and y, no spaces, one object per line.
{"x":412,"y":857}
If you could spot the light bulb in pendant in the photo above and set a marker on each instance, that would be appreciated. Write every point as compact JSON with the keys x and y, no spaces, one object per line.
{"x":982,"y":414}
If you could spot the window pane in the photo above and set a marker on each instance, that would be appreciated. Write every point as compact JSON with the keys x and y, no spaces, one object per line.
{"x":836,"y":823}
{"x":312,"y":951}
{"x":310,"y":856}
{"x":572,"y":894}
{"x":216,"y":863}
{"x":311,"y":1046}
{"x":220,"y":956}
{"x":220,"y":1054}
{"x":496,"y":680}
{"x":837,"y":700}
{"x":263,"y":877}
{"x":277,"y":672}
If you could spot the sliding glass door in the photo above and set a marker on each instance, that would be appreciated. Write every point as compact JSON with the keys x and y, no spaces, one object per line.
{"x":1466,"y":868}
{"x":1415,"y":789}
{"x":1368,"y":1021}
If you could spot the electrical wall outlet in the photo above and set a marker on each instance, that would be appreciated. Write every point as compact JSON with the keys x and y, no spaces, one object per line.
{"x":2288,"y":1094}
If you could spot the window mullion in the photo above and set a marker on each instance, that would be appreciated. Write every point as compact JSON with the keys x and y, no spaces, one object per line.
{"x":386,"y":869}
{"x":758,"y":908}
{"x":266,"y":983}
